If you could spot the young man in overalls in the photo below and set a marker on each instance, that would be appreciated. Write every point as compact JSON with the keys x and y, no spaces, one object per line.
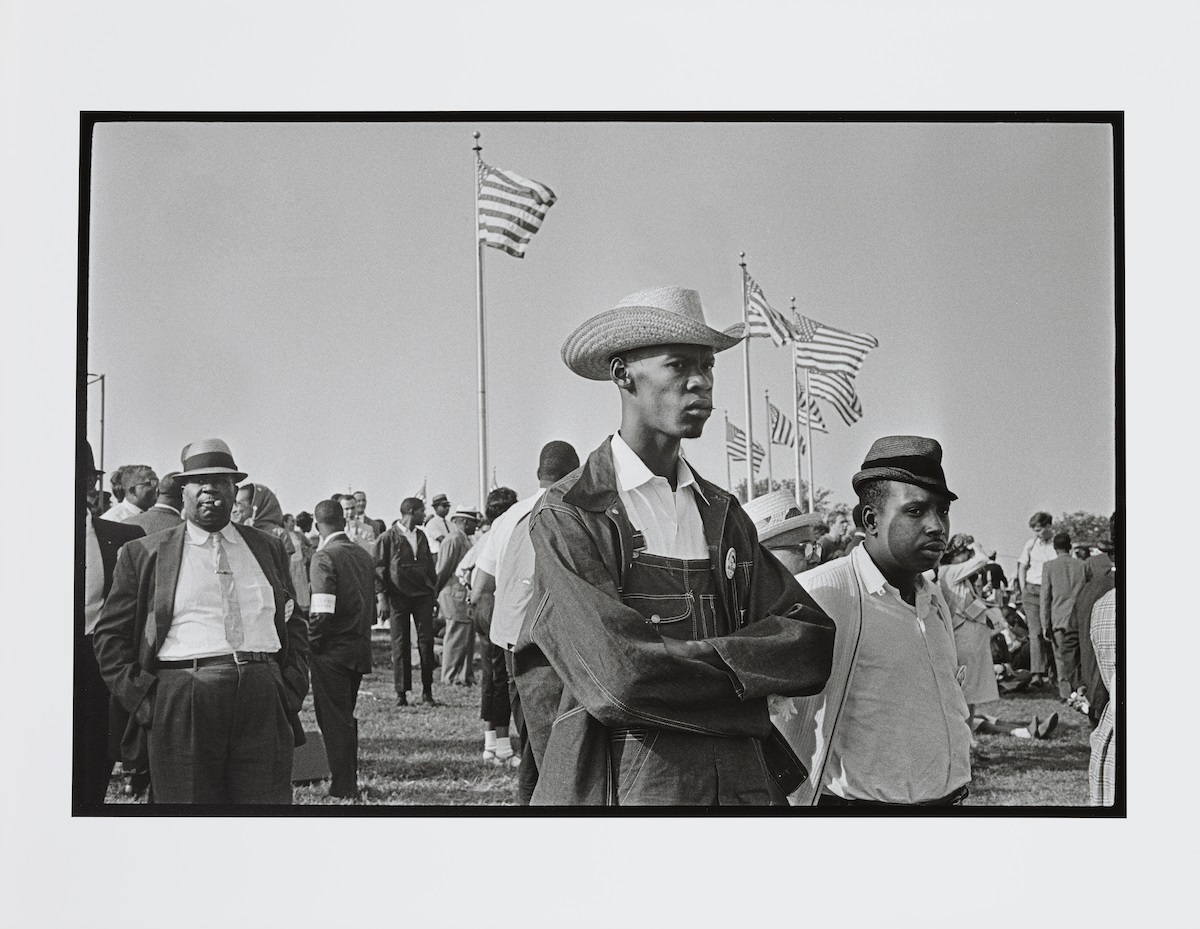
{"x":660,"y":626}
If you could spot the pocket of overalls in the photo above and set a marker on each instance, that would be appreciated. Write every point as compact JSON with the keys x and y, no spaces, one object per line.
{"x":629,"y":748}
{"x":668,"y":613}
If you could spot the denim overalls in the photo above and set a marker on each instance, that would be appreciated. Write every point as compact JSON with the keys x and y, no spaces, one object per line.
{"x":660,"y":766}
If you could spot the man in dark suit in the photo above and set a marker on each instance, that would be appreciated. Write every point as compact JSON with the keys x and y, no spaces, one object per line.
{"x":101,"y":539}
{"x":342,"y":614}
{"x":201,"y":642}
{"x":405,"y":582}
{"x":167,"y":512}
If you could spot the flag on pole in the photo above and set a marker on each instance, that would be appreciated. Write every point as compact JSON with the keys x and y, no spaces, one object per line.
{"x":421,"y":494}
{"x":781,"y":427}
{"x":495,"y":483}
{"x":511,"y":208}
{"x":838,"y":389}
{"x":735,"y":446}
{"x":823,"y":348}
{"x":808,"y":411}
{"x":763,"y":319}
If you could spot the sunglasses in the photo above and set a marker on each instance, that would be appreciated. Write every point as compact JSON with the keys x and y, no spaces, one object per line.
{"x":153,"y":483}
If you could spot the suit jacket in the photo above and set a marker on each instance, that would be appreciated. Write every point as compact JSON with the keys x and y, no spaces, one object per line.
{"x":138,"y":611}
{"x":155,"y":519}
{"x":111,"y":536}
{"x":343,"y":569}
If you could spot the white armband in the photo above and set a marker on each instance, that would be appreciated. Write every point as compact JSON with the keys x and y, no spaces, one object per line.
{"x":323,"y":603}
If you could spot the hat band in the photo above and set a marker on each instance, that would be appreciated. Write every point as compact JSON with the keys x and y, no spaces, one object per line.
{"x":914,"y":464}
{"x":209,"y":460}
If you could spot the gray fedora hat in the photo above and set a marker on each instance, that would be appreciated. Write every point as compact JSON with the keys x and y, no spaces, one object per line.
{"x":208,"y":456}
{"x":658,"y":316}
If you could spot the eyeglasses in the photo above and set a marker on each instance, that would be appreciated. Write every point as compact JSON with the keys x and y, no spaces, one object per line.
{"x":153,"y":483}
{"x":809,"y":550}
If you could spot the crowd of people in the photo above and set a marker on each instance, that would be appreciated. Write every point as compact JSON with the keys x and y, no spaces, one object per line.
{"x":648,"y":639}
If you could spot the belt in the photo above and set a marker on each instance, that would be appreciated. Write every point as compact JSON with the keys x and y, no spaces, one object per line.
{"x":952,"y":799}
{"x":235,"y":658}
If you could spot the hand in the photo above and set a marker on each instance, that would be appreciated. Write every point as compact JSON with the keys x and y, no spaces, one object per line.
{"x":144,"y":714}
{"x":781,"y":707}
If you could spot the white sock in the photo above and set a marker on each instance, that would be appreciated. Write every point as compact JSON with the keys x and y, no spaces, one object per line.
{"x":504,"y":748}
{"x":1022,"y":733}
{"x":489,"y":740}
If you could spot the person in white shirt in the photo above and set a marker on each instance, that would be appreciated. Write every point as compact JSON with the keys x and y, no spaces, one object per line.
{"x":437,"y":526}
{"x":1037,"y":551}
{"x":141,"y":490}
{"x":890,"y":728}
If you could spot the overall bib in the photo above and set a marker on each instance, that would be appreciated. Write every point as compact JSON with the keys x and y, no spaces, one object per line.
{"x":661,"y":766}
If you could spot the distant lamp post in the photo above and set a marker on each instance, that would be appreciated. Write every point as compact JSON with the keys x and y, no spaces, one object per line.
{"x":93,"y":379}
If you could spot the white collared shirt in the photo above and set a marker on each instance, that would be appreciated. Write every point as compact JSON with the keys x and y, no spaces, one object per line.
{"x":436,"y":528}
{"x":119,"y":512}
{"x":669,"y":520}
{"x":332,"y":535}
{"x":1034,"y":556}
{"x":411,"y":535}
{"x":198,"y":621}
{"x":93,"y":596}
{"x":902,"y":736}
{"x":495,"y":541}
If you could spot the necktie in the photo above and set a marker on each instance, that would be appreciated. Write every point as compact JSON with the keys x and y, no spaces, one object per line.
{"x":234,"y":632}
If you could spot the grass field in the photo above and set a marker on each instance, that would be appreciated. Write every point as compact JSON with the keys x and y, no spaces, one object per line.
{"x":420,"y":755}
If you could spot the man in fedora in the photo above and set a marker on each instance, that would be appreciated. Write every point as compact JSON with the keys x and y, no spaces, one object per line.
{"x":458,"y":641}
{"x":437,"y":524}
{"x":786,"y":532}
{"x":201,"y":642}
{"x":890,"y":728}
{"x":662,"y":625}
{"x":102,"y":539}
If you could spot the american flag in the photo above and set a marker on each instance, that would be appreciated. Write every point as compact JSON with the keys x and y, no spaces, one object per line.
{"x":838,"y":389}
{"x":824,"y":348}
{"x":808,"y":410}
{"x":781,"y":427}
{"x":762,"y":318}
{"x":511,"y":209}
{"x":735,"y":446}
{"x":422,"y":493}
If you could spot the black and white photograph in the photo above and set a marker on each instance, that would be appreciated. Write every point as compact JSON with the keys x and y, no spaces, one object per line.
{"x":571,"y":583}
{"x":505,"y":443}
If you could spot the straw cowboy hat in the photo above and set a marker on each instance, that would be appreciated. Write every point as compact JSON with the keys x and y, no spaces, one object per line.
{"x":658,"y":316}
{"x":909,"y":459}
{"x":208,"y":456}
{"x":775,"y":513}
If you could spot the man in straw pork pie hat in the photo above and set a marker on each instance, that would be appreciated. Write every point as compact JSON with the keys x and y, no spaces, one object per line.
{"x":200,"y":641}
{"x":890,"y":729}
{"x":662,"y":624}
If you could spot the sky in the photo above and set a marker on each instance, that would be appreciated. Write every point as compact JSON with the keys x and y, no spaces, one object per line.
{"x":306,"y":291}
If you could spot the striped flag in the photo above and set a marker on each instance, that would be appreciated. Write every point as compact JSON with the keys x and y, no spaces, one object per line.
{"x":823,"y":348}
{"x":511,"y":209}
{"x":838,"y":389}
{"x":763,"y":319}
{"x":808,"y":411}
{"x":781,"y":427}
{"x":422,"y":493}
{"x":735,"y":446}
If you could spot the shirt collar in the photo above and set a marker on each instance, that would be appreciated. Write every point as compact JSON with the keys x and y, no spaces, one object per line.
{"x":198,"y":536}
{"x":166,"y":506}
{"x":873,"y":578}
{"x":330,"y":537}
{"x":631,"y":471}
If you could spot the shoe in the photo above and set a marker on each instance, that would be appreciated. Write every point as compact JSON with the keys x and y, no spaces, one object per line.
{"x":402,"y":700}
{"x":427,"y":699}
{"x":1043,"y":730}
{"x":489,"y":756}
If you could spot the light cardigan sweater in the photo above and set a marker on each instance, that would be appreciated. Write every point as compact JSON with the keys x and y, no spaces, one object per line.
{"x":840,"y":590}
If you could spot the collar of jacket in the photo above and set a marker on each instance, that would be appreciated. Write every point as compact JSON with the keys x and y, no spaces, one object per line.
{"x":596,"y":491}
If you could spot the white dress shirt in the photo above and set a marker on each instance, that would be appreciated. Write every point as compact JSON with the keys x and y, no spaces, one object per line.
{"x":669,"y":520}
{"x":1034,"y":555}
{"x":93,"y":596}
{"x":436,"y":529}
{"x":495,"y":540}
{"x":119,"y":512}
{"x":902,"y":736}
{"x":198,"y":623}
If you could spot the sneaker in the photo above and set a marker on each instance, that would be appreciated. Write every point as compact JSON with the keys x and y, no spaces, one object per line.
{"x":1043,"y":730}
{"x":489,"y":756}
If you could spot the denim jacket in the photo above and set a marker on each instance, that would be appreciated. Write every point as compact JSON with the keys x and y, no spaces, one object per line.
{"x":586,"y":662}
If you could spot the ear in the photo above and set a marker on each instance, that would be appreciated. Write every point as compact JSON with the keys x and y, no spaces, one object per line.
{"x":870,"y":519}
{"x":619,"y":372}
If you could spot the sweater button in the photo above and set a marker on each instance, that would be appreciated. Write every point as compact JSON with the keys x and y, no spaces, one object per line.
{"x":656,"y":618}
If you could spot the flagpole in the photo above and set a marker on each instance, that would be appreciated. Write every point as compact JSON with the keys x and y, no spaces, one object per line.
{"x":480,"y":333}
{"x":728,"y":474}
{"x":808,"y":419}
{"x":770,"y":441}
{"x":746,"y":365}
{"x":796,"y":404}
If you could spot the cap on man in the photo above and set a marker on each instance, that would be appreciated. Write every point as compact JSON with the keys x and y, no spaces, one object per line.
{"x":218,"y":675}
{"x":665,"y":626}
{"x":785,"y":531}
{"x":900,"y":735}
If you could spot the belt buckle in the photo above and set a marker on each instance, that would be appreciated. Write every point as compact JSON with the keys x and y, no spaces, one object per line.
{"x":237,"y":659}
